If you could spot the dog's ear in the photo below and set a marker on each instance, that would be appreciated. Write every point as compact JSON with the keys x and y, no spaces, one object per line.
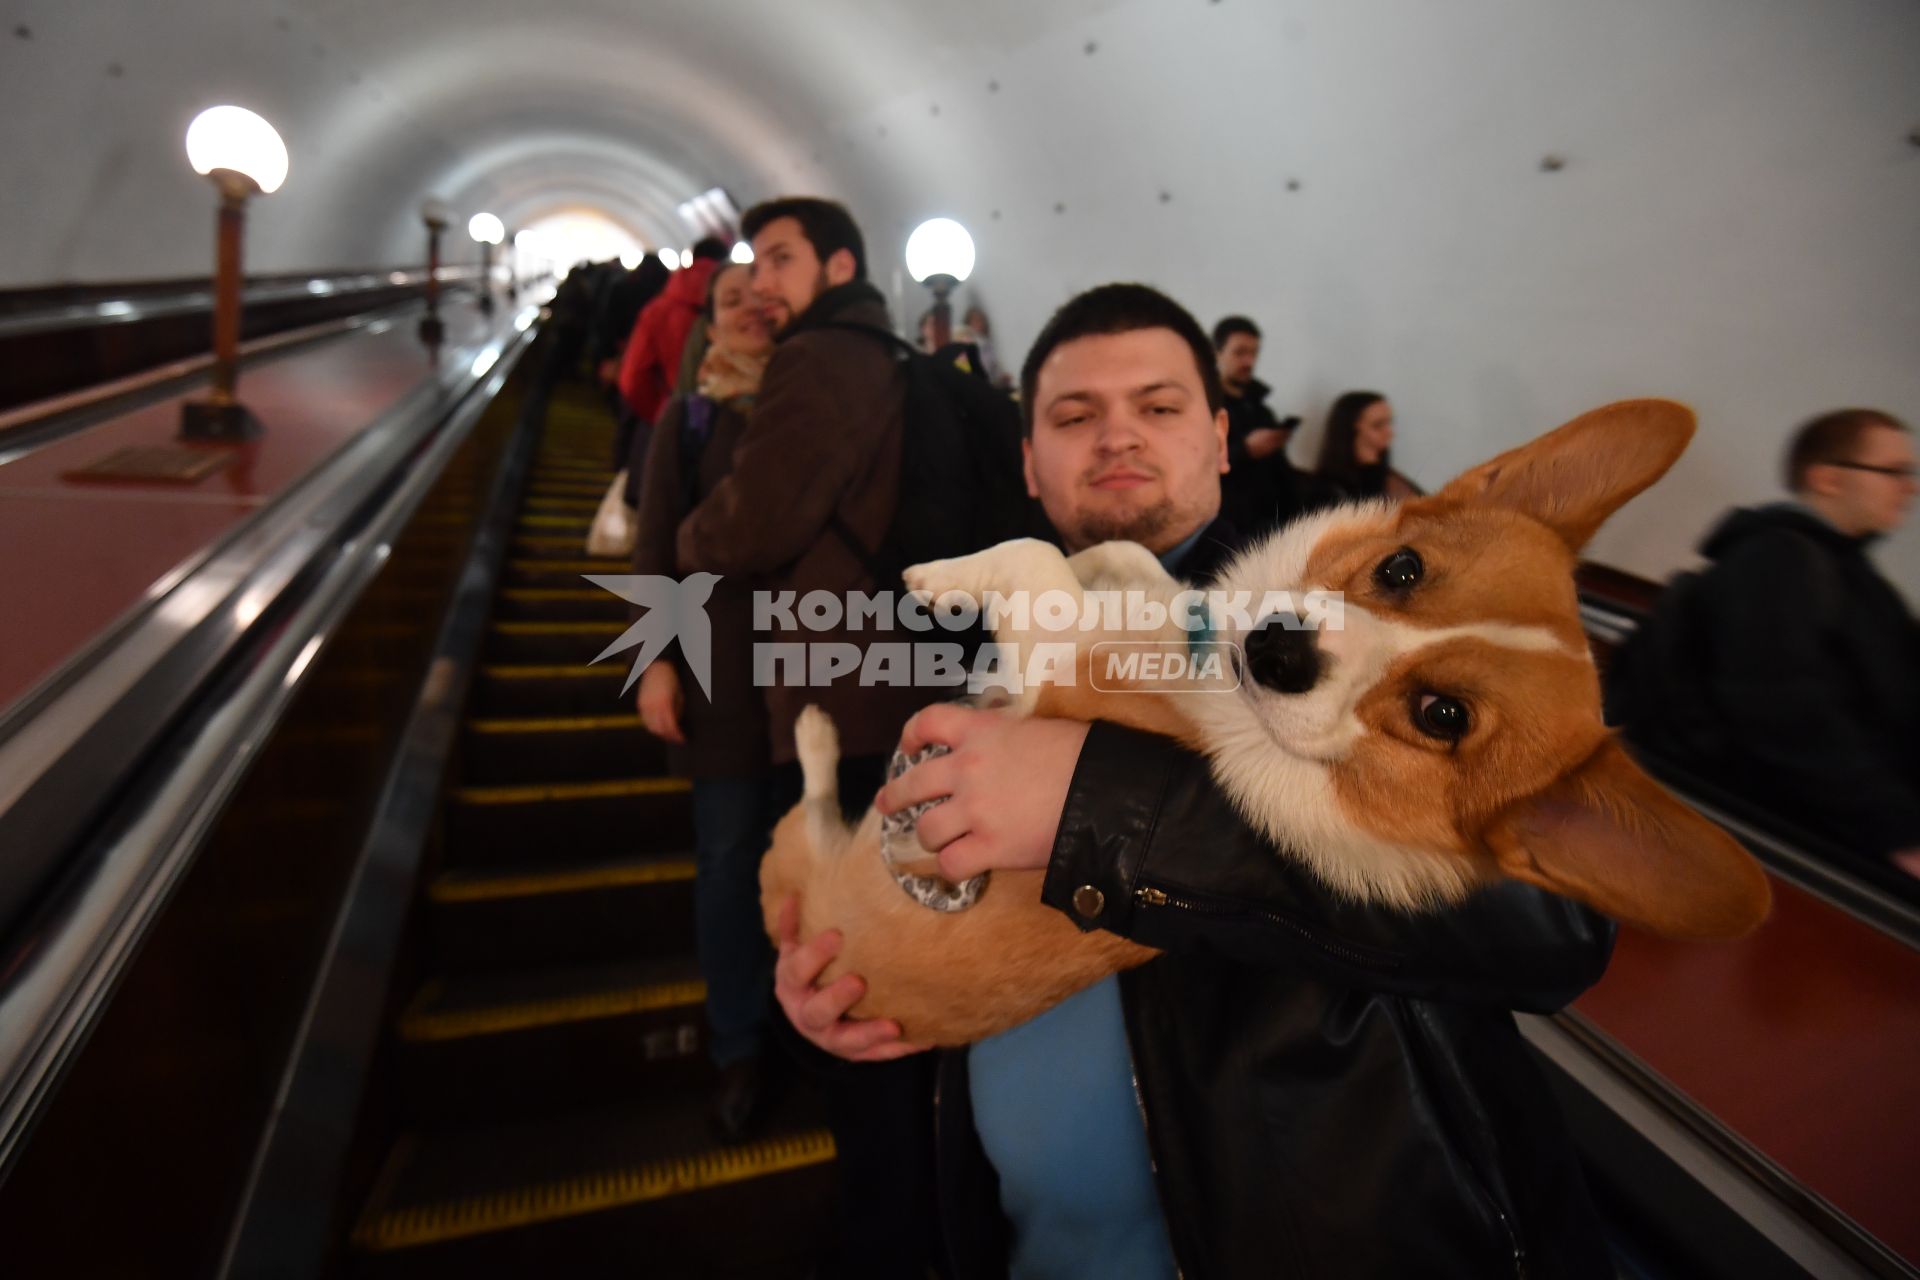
{"x":1574,"y":477}
{"x":1612,"y":837}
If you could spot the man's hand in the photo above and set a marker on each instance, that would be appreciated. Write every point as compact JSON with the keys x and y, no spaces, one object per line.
{"x":820,"y":1013}
{"x":1908,"y":860}
{"x":661,"y":701}
{"x":1264,"y":442}
{"x":1005,"y":779}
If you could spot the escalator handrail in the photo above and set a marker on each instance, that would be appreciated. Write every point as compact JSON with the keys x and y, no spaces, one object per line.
{"x":1800,"y":1220}
{"x":134,"y":306}
{"x":97,"y":828}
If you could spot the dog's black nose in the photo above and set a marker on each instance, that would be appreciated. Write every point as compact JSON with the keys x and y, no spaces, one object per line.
{"x":1282,"y":655}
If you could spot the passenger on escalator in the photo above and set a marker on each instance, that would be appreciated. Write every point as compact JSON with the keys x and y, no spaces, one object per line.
{"x":651,"y":361}
{"x":1788,"y":671}
{"x":1296,"y":1107}
{"x":720,"y":741}
{"x":1355,"y":455}
{"x":817,"y":469}
{"x":620,"y":307}
{"x":1263,"y":489}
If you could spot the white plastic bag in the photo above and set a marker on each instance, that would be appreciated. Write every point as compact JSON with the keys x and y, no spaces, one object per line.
{"x":612,"y":531}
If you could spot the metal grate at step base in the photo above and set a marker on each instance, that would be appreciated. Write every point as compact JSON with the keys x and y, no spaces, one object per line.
{"x":590,"y":1193}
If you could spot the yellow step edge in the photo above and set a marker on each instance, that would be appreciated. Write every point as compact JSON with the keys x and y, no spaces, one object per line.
{"x":559,"y":628}
{"x":420,"y":1025}
{"x":554,"y":724}
{"x":547,"y":792}
{"x":553,"y":522}
{"x":543,"y":488}
{"x":571,"y":671}
{"x":558,"y":542}
{"x":593,"y":1192}
{"x":608,"y":565}
{"x":562,"y":504}
{"x":540,"y":884}
{"x":533,"y":594}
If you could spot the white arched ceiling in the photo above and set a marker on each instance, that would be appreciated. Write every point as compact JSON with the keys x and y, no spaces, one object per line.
{"x":1732,"y":225}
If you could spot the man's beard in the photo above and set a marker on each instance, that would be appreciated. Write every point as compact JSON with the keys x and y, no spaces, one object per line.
{"x":820,"y":286}
{"x":1143,"y":525}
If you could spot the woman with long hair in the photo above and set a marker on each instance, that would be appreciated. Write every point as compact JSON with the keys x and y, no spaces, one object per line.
{"x":1354,"y":453}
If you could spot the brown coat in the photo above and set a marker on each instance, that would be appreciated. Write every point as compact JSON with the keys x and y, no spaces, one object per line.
{"x":824,"y":438}
{"x":726,"y":737}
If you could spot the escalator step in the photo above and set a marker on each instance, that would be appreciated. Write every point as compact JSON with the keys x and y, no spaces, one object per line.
{"x":571,"y":689}
{"x":536,"y":522}
{"x":638,"y":1188}
{"x":560,"y":604}
{"x":491,"y":1045}
{"x":635,"y":908}
{"x":548,"y":824}
{"x":523,"y":572}
{"x":550,"y":643}
{"x":560,"y":749}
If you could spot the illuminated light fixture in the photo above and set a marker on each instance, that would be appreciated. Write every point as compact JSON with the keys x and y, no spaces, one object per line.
{"x":669,"y":258}
{"x":487,"y":231}
{"x":633,"y":258}
{"x":711,"y":213}
{"x":940,"y":256}
{"x":742,"y":252}
{"x":437,"y":218}
{"x":244,"y":157}
{"x":686,"y":257}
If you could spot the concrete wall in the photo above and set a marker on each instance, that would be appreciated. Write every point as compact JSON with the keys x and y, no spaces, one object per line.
{"x":1735,"y":224}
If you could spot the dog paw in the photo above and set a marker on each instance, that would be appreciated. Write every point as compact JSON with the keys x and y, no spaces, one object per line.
{"x":1007,"y":566}
{"x":816,"y":742}
{"x":1117,"y":564}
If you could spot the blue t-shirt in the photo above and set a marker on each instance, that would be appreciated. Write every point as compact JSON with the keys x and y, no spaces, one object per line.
{"x":1058,"y":1114}
{"x":1054,"y":1103}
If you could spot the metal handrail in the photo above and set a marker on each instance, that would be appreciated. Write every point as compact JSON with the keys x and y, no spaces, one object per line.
{"x":1794,"y":1218}
{"x":135,"y":307}
{"x":255,"y":610}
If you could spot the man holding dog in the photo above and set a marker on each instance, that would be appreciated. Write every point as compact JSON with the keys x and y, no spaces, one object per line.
{"x":1299,"y":1086}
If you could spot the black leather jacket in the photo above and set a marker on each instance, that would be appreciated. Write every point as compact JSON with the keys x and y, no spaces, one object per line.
{"x":1329,"y":1090}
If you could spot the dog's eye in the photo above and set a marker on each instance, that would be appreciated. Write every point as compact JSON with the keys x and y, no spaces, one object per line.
{"x":1439,"y":716}
{"x":1399,"y":571}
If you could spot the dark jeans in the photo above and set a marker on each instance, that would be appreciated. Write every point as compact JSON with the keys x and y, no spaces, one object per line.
{"x":732,"y":824}
{"x":881,"y":1113}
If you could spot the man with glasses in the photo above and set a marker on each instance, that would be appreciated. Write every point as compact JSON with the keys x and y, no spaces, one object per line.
{"x":1790,"y":670}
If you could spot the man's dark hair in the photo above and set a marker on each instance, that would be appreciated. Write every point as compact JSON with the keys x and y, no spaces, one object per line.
{"x":708,"y":247}
{"x":1832,"y":437}
{"x":826,"y":224}
{"x":1230,"y":326}
{"x":1111,"y":309}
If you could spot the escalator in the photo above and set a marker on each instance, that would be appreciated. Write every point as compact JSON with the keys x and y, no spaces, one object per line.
{"x":539,"y":1099}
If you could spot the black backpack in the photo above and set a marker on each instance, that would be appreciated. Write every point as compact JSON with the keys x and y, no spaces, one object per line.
{"x":961,"y":484}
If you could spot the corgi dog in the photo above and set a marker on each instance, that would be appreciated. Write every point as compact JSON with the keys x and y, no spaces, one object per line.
{"x":1442,"y":732}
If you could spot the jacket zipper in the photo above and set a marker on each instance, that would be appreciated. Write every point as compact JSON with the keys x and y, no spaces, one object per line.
{"x":1152,"y":897}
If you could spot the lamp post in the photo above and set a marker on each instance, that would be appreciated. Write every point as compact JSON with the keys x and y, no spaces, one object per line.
{"x":487,"y":231}
{"x":940,"y":256}
{"x":436,"y":217}
{"x":244,"y":157}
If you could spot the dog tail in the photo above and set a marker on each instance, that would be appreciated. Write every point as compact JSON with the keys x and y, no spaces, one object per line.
{"x":818,"y":744}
